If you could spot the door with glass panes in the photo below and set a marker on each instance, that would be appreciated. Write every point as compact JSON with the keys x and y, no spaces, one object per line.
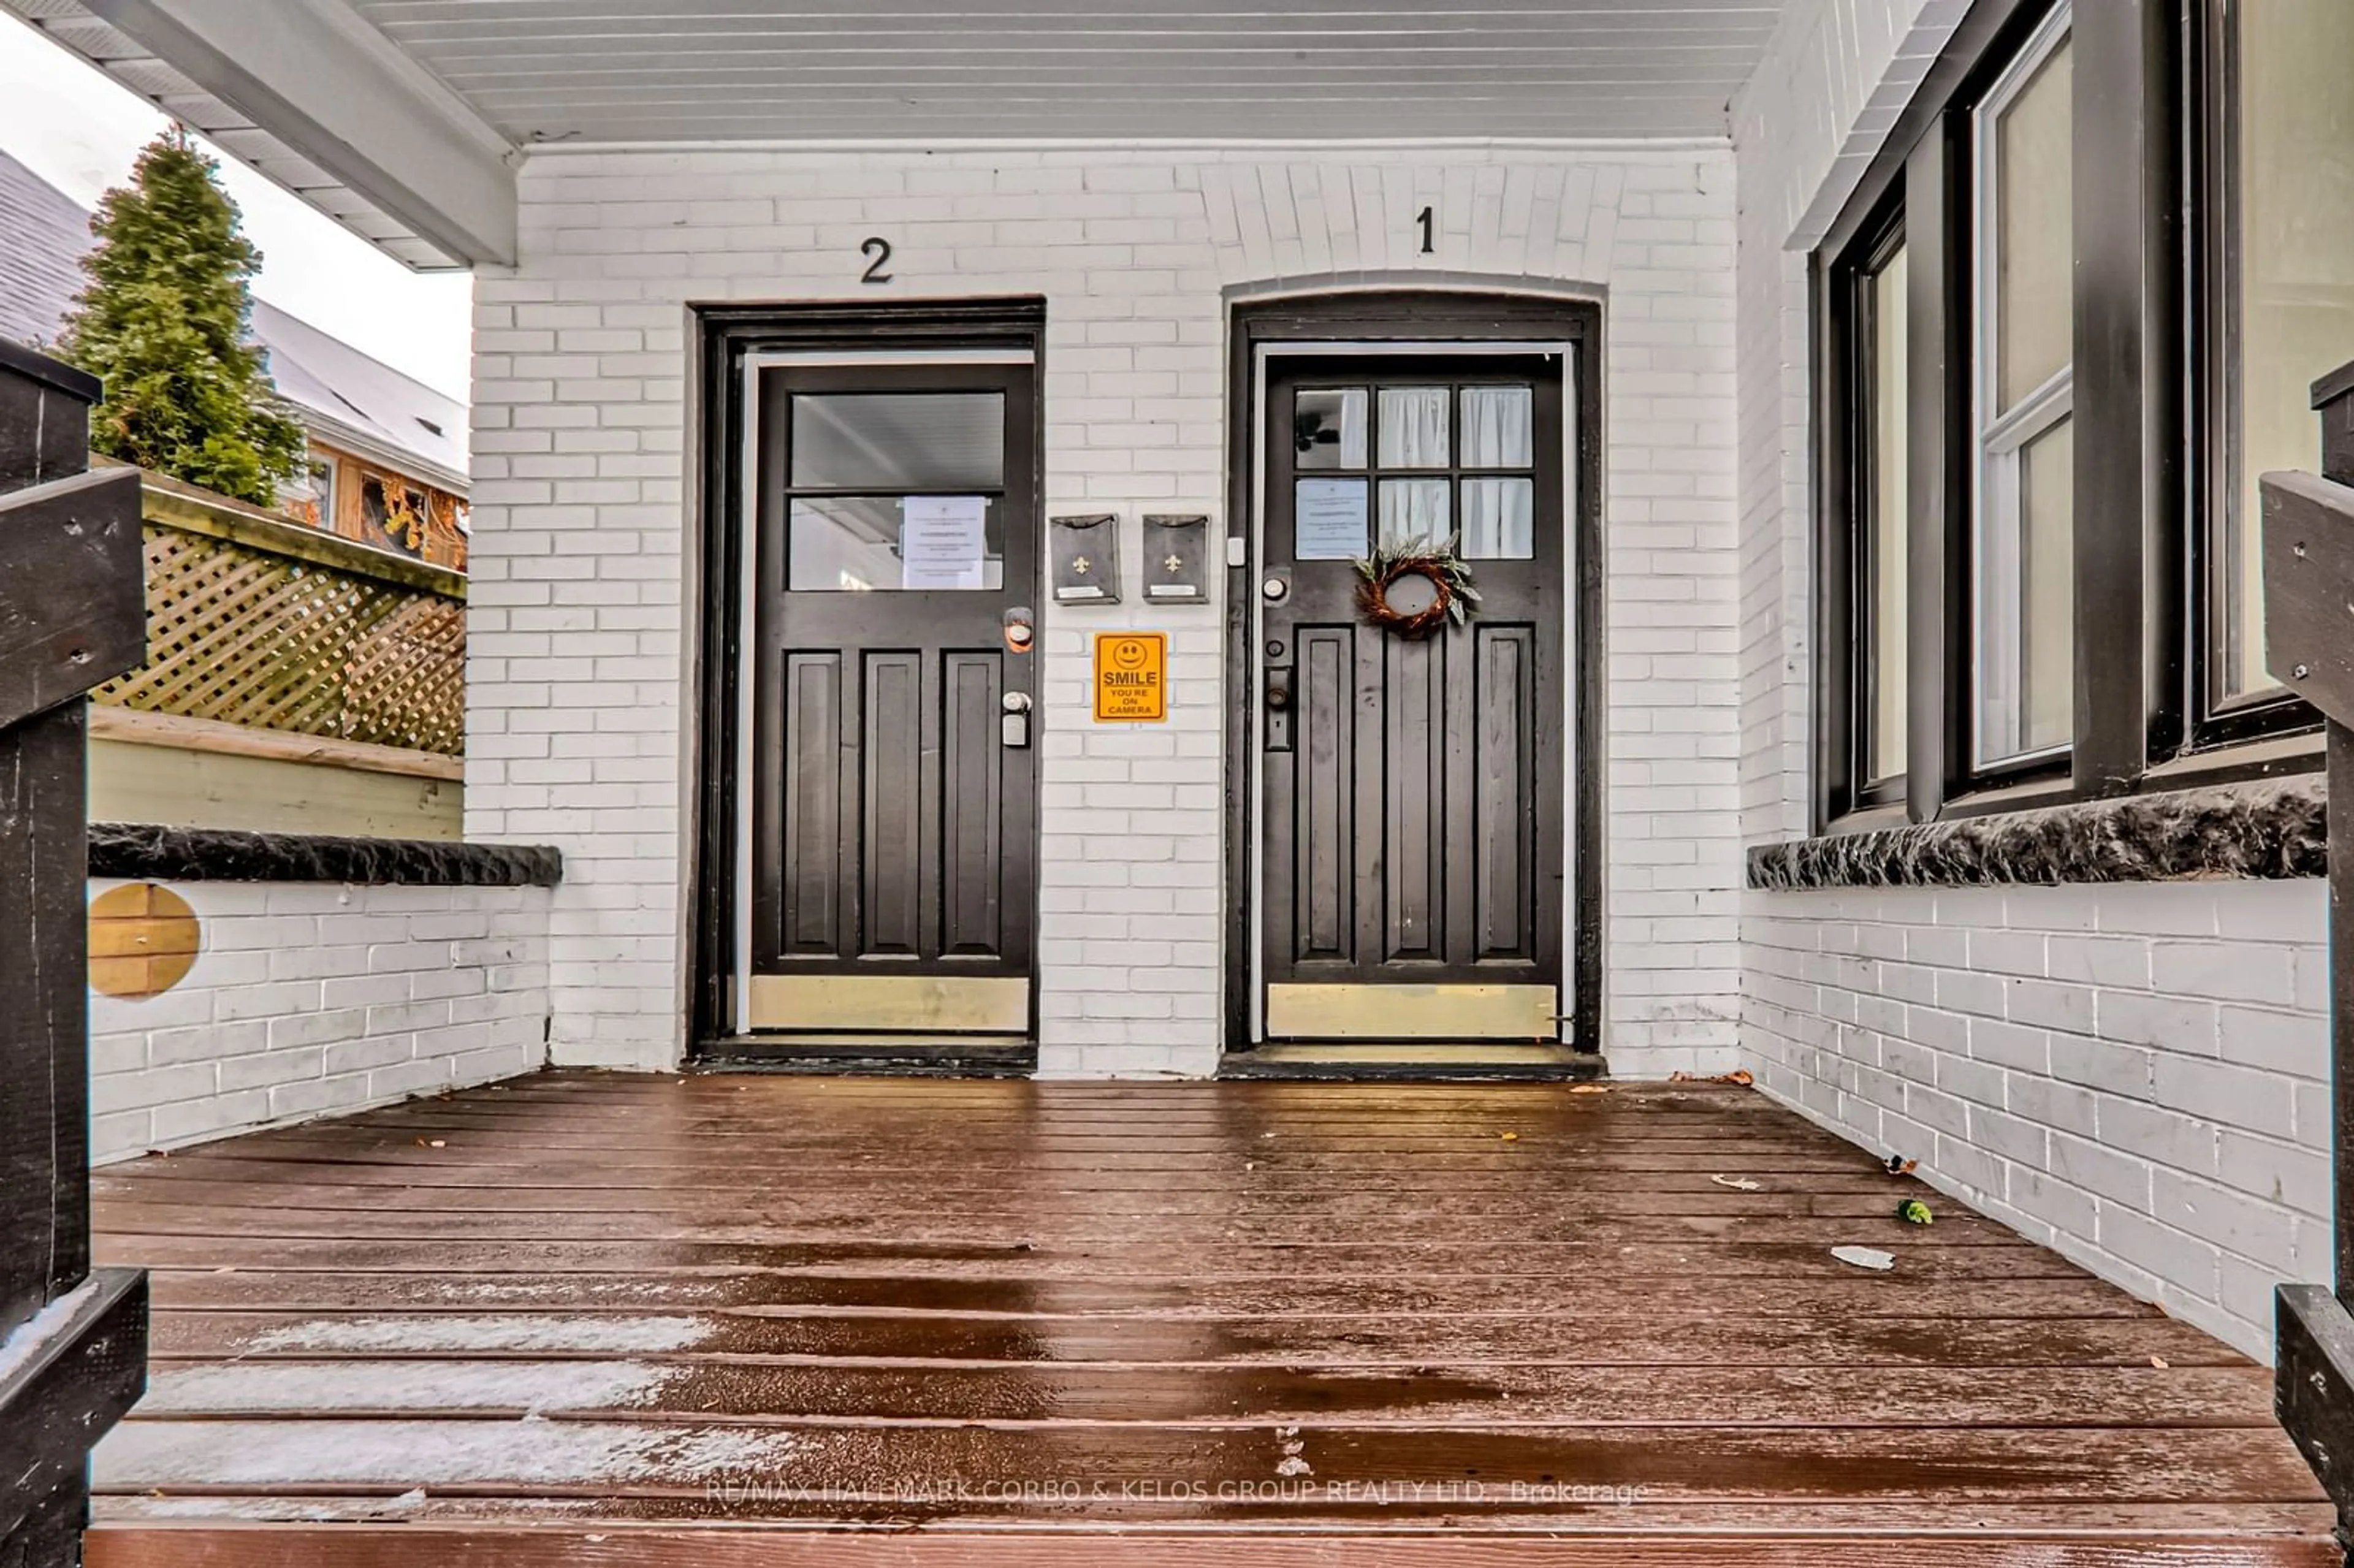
{"x":893,"y":809}
{"x":1411,"y":862}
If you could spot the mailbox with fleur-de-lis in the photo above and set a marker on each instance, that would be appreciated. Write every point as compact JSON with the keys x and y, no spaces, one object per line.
{"x":1176,"y":565}
{"x":1083,"y":556}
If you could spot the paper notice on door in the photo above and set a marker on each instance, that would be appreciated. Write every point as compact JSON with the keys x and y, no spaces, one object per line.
{"x":1329,"y":519}
{"x":943,"y":540}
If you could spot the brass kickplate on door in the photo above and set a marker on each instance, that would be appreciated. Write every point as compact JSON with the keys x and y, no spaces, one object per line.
{"x":1297,"y":1012}
{"x":917,"y":1005}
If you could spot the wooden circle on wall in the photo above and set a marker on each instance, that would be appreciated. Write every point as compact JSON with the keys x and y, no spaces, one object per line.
{"x":142,"y":940}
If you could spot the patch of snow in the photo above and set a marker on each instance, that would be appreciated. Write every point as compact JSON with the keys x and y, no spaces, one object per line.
{"x":647,"y":1290}
{"x":263,"y":1455}
{"x":313,"y":1386}
{"x":32,"y":1339}
{"x":612,"y":1334}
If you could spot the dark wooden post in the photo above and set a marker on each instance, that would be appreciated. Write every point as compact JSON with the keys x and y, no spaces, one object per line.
{"x":73,"y":1342}
{"x":2309,"y":640}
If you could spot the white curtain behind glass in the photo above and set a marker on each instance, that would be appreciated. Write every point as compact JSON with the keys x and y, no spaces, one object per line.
{"x":1496,"y":426}
{"x":1499,"y":519}
{"x":1413,"y":426}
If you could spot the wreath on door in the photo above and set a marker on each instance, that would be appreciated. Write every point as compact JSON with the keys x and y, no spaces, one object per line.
{"x":1415,"y":587}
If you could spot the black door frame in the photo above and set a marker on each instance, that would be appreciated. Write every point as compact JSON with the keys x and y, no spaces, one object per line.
{"x":724,"y":338}
{"x":1421,"y":317}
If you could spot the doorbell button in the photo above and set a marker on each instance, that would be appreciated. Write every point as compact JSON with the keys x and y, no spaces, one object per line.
{"x":1275,"y":588}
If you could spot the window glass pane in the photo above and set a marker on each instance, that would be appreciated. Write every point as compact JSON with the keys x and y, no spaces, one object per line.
{"x":2027,"y":616}
{"x":856,"y":544}
{"x":2047,"y":655}
{"x":2034,"y":279}
{"x":900,"y":441}
{"x":2295,"y":270}
{"x":1414,"y":509}
{"x":1499,"y":519}
{"x":1327,"y":520}
{"x":1496,"y":426}
{"x":1328,"y":429}
{"x":1884,"y":550}
{"x":1413,"y":426}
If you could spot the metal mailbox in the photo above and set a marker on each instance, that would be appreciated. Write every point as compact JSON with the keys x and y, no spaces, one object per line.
{"x":1176,"y":558}
{"x":1083,"y":558}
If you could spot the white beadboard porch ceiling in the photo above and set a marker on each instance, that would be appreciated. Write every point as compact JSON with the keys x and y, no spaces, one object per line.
{"x":403,"y":119}
{"x":636,"y":70}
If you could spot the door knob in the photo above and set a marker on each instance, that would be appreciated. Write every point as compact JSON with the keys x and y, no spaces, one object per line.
{"x":1278,"y":707}
{"x":1275,"y":588}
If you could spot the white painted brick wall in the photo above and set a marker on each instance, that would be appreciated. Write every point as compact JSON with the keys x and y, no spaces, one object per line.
{"x":2136,"y":1074}
{"x":579,"y":637}
{"x":311,"y":999}
{"x":2133,"y":1073}
{"x":1808,"y":121}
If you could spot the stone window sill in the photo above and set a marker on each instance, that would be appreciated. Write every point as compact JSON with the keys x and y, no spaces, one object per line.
{"x":2269,"y":829}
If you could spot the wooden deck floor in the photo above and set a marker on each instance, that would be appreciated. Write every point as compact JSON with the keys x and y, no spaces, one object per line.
{"x":586,"y":1318}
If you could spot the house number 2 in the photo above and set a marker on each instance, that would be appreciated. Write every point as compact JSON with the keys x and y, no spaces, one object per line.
{"x":879,"y":249}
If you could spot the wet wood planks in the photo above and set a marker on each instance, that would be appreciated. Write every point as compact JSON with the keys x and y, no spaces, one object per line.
{"x":581,"y":1318}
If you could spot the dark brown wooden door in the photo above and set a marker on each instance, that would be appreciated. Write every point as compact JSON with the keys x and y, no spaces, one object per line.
{"x":1412,"y":809}
{"x":893,"y":811}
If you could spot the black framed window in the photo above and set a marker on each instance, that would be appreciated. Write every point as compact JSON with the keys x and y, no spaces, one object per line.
{"x":2022,"y":679}
{"x":2116,"y":286}
{"x":2270,"y":177}
{"x":1871,"y":555}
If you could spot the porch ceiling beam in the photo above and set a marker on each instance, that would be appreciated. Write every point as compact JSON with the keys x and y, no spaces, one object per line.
{"x":318,"y":77}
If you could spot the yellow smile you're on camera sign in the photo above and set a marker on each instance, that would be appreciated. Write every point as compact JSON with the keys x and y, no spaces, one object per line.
{"x":1131,"y":675}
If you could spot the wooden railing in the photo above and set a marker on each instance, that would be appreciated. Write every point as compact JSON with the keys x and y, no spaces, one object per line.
{"x":259,"y":622}
{"x":73,"y":1340}
{"x":2309,"y":642}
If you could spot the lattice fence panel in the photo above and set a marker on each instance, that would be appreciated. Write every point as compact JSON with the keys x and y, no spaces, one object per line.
{"x":246,"y":636}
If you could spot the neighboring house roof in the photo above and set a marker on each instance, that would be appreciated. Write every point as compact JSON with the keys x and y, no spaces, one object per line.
{"x":342,"y":396}
{"x":43,"y":232}
{"x":364,"y":404}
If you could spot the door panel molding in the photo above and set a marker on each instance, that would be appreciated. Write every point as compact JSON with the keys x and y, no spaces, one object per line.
{"x":732,"y":345}
{"x":1456,"y":322}
{"x":1502,"y":797}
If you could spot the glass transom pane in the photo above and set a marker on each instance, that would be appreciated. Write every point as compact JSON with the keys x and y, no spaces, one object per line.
{"x":1328,"y":429}
{"x":1414,"y":509}
{"x":1413,"y":426}
{"x":898,"y":441}
{"x":1499,"y":519}
{"x":1496,"y":429}
{"x":894,"y":543}
{"x":2034,"y":276}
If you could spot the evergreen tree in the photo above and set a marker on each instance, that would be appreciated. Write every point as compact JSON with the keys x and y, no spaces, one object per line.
{"x":165,"y":322}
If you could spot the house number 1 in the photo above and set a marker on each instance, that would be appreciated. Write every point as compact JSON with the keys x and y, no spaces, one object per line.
{"x":879,"y":249}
